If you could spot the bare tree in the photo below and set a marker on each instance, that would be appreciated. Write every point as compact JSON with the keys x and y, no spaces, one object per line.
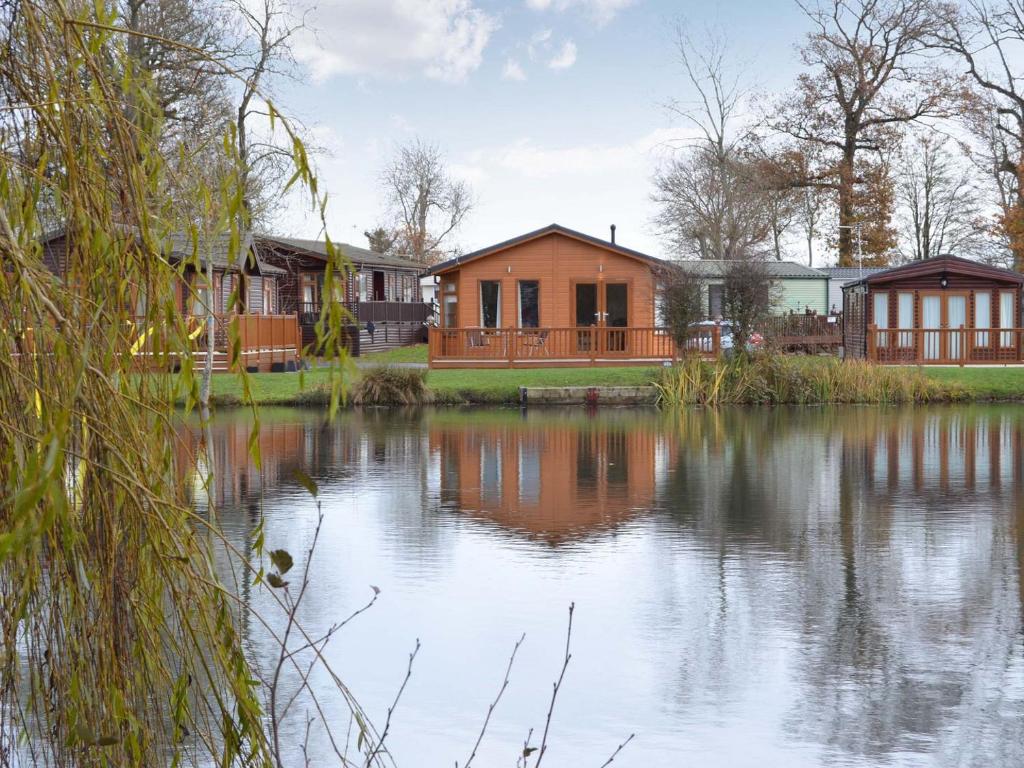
{"x":938,"y":205}
{"x":989,"y":39}
{"x":866,"y":80}
{"x":709,"y":201}
{"x":681,"y":300}
{"x":263,"y":54}
{"x":427,"y":202}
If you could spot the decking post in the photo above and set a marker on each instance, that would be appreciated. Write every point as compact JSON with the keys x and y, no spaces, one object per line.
{"x":963,"y":345}
{"x":510,"y":344}
{"x":716,"y":341}
{"x":871,"y":342}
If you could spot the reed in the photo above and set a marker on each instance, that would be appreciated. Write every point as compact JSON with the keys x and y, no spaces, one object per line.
{"x":778,"y":380}
{"x":389,"y":385}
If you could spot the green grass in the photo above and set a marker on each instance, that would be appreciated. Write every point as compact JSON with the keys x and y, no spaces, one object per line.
{"x":414,"y":353}
{"x":982,"y":383}
{"x":501,"y":386}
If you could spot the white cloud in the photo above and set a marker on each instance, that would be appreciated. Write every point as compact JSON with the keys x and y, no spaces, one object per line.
{"x":601,"y":11}
{"x":445,"y":39}
{"x":565,"y":58}
{"x":513,"y":70}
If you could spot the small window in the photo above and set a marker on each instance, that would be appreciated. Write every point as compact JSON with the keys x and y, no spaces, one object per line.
{"x":715,"y":301}
{"x":1006,"y":317}
{"x":529,"y":304}
{"x":905,"y":317}
{"x":451,"y":307}
{"x":490,"y":303}
{"x":982,"y":316}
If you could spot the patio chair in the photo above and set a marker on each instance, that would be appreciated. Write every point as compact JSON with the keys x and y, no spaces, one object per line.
{"x":536,"y":342}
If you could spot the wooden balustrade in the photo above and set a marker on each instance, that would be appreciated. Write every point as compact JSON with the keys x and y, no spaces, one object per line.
{"x":802,"y":332}
{"x":553,"y":347}
{"x":945,"y":346}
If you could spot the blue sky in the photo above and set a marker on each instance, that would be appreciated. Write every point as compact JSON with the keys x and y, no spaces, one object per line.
{"x":551,"y":109}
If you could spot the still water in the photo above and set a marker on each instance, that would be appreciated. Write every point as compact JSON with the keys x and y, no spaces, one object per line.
{"x":753,"y":587}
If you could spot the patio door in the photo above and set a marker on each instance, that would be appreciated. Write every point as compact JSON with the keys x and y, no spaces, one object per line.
{"x":602,"y":306}
{"x":941,"y":314}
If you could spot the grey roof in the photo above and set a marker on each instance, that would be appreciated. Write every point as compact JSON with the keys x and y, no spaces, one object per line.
{"x":181,"y":246}
{"x":548,"y":230}
{"x":780,"y":270}
{"x":850,"y":273}
{"x":353,"y":253}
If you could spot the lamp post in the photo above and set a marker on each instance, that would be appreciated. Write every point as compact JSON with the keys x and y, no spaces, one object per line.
{"x":855,"y":228}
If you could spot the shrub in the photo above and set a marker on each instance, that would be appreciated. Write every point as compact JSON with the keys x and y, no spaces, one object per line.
{"x":774,"y":379}
{"x":387,"y":385}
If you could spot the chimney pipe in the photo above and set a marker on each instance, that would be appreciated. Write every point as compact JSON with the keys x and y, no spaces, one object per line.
{"x":613,"y":234}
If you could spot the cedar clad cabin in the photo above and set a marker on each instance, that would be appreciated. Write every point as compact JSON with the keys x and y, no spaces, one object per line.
{"x":550,"y":297}
{"x":944,"y":310}
{"x":269,"y":339}
{"x":381,"y":292}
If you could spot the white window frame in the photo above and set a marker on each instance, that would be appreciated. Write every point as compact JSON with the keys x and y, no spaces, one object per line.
{"x":497,"y":314}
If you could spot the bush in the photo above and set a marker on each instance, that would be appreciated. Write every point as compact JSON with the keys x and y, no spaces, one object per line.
{"x":778,"y":380}
{"x":387,"y":385}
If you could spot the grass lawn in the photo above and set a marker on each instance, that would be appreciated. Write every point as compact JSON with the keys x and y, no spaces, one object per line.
{"x":501,"y":386}
{"x":414,"y":353}
{"x":982,"y":383}
{"x":496,"y":386}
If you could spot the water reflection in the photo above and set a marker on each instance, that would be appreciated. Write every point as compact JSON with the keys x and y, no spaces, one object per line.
{"x":764,"y":587}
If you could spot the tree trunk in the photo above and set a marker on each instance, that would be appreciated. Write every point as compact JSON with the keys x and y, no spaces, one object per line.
{"x":847,"y":215}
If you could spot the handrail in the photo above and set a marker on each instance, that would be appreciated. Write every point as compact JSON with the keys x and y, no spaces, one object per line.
{"x":962,"y":345}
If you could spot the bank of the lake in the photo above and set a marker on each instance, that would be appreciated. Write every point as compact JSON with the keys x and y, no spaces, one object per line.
{"x":501,"y":386}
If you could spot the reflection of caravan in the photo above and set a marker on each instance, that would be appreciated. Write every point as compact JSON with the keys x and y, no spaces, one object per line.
{"x":551,"y":481}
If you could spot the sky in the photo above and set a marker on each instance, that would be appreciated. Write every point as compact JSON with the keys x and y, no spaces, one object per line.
{"x":551,"y":110}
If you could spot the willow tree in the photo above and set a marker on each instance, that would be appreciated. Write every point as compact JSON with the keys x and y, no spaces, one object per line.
{"x":118,"y":644}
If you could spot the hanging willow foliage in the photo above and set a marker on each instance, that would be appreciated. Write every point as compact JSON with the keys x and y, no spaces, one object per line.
{"x":119,"y":644}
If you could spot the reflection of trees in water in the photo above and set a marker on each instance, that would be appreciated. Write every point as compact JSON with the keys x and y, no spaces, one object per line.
{"x":866,"y":536}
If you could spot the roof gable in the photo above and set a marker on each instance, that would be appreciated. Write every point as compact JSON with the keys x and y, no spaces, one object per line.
{"x":939,"y":265}
{"x":551,"y":229}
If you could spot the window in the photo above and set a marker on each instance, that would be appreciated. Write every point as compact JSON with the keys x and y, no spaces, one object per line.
{"x":451,"y":307}
{"x":364,"y":286}
{"x":880,"y":318}
{"x":310,"y":293}
{"x":529,"y":304}
{"x":1006,"y":318}
{"x":490,"y":303}
{"x":905,"y":317}
{"x":270,"y":296}
{"x":715,"y":301}
{"x":982,"y":316}
{"x":659,"y":305}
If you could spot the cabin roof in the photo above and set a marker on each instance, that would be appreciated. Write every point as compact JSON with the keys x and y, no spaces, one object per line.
{"x":937,"y":265}
{"x":550,"y":229}
{"x":850,"y":273}
{"x":355,"y":254}
{"x":779,"y":270}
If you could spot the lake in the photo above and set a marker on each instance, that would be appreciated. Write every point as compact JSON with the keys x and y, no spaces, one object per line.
{"x":771,"y":587}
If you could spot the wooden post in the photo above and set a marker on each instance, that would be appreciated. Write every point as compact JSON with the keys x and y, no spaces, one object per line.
{"x":871,"y":342}
{"x":510,"y":346}
{"x":716,"y":341}
{"x":963,"y":345}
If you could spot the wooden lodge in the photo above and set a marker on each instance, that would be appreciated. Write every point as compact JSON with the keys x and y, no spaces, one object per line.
{"x":269,"y":339}
{"x":552,"y":297}
{"x":940,"y":311}
{"x":381,"y":292}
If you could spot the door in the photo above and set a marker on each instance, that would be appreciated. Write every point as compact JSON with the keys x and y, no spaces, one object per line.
{"x":941,"y":315}
{"x":616,"y":316}
{"x":378,"y":286}
{"x":604,"y":307}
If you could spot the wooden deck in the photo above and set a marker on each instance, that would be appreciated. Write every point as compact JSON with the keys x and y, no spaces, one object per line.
{"x":803,"y":333}
{"x":946,"y":346}
{"x":560,"y":347}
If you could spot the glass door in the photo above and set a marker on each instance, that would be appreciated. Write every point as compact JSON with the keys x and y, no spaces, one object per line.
{"x":931,"y":322}
{"x":956,"y":317}
{"x":586,"y":316}
{"x":616,"y":316}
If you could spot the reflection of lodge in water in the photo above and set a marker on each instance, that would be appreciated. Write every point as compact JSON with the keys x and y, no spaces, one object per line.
{"x":551,"y":478}
{"x":949,"y":451}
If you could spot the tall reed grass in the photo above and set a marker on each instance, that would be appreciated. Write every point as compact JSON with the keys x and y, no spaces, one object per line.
{"x":777,"y":380}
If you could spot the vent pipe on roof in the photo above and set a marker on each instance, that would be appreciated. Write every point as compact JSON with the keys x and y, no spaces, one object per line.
{"x":613,"y":234}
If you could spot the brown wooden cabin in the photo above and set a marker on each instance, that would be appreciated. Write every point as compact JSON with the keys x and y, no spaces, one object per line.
{"x":943,"y":310}
{"x":552,"y":297}
{"x":381,"y":292}
{"x":269,"y":339}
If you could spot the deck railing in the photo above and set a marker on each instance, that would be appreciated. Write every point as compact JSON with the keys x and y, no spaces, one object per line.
{"x":538,"y":347}
{"x":373,"y":311}
{"x":945,"y":346}
{"x":802,"y":332}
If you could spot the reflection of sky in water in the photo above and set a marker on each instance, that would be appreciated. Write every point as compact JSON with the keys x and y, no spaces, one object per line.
{"x":753,"y":588}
